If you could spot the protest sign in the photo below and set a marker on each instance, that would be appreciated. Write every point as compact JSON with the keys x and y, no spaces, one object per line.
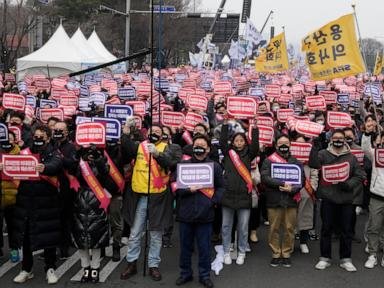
{"x":197,"y":102}
{"x":287,"y":173}
{"x":138,"y":107}
{"x":338,"y":119}
{"x":359,"y":154}
{"x":301,"y":151}
{"x":265,"y":121}
{"x":47,"y":103}
{"x":126,"y":93}
{"x":46,"y":113}
{"x":308,"y":128}
{"x":69,"y":100}
{"x":335,"y":173}
{"x":195,"y":174}
{"x":90,"y":133}
{"x":191,"y":119}
{"x":329,"y":96}
{"x":314,"y":103}
{"x":343,"y":99}
{"x":112,"y":127}
{"x":283,"y":114}
{"x":379,"y":157}
{"x":172,"y":119}
{"x":119,"y":112}
{"x":17,"y":131}
{"x":222,"y":87}
{"x":13,"y":101}
{"x":3,"y":132}
{"x":20,"y":167}
{"x":266,"y":134}
{"x":241,"y":107}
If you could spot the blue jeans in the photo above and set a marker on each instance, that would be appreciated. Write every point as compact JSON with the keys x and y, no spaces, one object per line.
{"x":202,"y":233}
{"x":137,"y":232}
{"x":242,"y":228}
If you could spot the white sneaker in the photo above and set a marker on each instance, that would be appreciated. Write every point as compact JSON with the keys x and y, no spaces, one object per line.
{"x":240,"y":259}
{"x":348,"y":266}
{"x":304,"y":248}
{"x":322,"y":264}
{"x":371,"y":262}
{"x":23,"y":277}
{"x":227,"y":259}
{"x":51,"y":276}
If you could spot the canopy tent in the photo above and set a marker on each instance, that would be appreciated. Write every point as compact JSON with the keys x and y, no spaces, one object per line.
{"x":88,"y":53}
{"x":95,"y":42}
{"x":58,"y":56}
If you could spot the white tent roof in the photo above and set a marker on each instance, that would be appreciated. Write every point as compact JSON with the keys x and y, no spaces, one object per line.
{"x":58,"y":54}
{"x":95,"y":42}
{"x":88,"y":53}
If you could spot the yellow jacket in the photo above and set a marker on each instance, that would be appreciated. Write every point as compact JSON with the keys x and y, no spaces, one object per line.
{"x":8,"y":187}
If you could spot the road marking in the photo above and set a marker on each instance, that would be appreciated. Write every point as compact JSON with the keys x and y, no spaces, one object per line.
{"x":9,"y":264}
{"x":108,"y":269}
{"x":67,"y":265}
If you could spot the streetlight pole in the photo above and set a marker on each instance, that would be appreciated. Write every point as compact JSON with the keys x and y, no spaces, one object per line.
{"x":127,"y":26}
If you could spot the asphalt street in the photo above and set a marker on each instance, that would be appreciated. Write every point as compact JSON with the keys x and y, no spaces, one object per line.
{"x":256,"y":271}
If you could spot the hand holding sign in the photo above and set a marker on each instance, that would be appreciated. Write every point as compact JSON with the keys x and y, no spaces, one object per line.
{"x":40,"y":167}
{"x":286,"y":188}
{"x":195,"y":188}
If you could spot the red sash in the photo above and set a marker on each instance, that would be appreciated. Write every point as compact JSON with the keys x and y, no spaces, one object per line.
{"x":241,"y":169}
{"x":50,"y":179}
{"x":186,"y":157}
{"x":115,"y":173}
{"x":187,"y":137}
{"x":101,"y":194}
{"x":206,"y":191}
{"x":73,"y":182}
{"x":158,"y":182}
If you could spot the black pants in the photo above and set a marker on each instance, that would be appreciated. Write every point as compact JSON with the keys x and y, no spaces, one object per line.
{"x":49,"y":254}
{"x":217,"y":220}
{"x":7,"y":215}
{"x":254,"y":219}
{"x":336,"y":217}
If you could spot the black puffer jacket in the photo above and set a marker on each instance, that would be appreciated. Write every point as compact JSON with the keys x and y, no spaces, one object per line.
{"x":236,"y":194}
{"x":90,"y":226}
{"x":37,"y":203}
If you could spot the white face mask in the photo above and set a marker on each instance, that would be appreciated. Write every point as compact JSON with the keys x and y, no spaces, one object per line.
{"x":321,"y":122}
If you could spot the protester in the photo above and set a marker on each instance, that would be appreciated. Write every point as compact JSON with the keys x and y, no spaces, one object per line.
{"x":238,"y":188}
{"x":8,"y":200}
{"x":37,"y":210}
{"x":337,"y":196}
{"x":281,"y":201}
{"x":195,"y":214}
{"x":142,"y":201}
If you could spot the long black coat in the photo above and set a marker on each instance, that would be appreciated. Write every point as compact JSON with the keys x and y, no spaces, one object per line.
{"x":90,"y":226}
{"x":236,"y":194}
{"x":37,"y":204}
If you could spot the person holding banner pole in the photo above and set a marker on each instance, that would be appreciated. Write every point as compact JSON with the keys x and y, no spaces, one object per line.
{"x":163,"y":158}
{"x":282,"y":196}
{"x":195,"y":214}
{"x":340,"y":175}
{"x":37,"y":210}
{"x":238,"y":187}
{"x":8,"y":199}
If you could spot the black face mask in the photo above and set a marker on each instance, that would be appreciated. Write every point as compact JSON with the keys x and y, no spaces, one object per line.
{"x":6,"y":146}
{"x":338,"y":143}
{"x":58,"y":135}
{"x":38,"y":142}
{"x":198,"y":151}
{"x":284,"y":149}
{"x":349,"y":141}
{"x":153,"y":138}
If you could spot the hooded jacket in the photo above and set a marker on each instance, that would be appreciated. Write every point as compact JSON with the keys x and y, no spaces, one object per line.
{"x":342,"y":192}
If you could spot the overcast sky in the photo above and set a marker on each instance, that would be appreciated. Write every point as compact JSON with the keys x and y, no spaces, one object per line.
{"x":303,"y":16}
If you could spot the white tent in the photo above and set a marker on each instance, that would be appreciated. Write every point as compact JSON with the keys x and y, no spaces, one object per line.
{"x":88,"y":53}
{"x":95,"y":42}
{"x":58,"y":56}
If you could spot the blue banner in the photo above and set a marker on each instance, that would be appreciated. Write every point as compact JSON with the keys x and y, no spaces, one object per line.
{"x":119,"y":112}
{"x":112,"y":127}
{"x":287,"y":173}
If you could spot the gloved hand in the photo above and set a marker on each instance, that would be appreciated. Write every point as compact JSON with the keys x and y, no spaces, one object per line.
{"x":130,"y":122}
{"x":152,"y":149}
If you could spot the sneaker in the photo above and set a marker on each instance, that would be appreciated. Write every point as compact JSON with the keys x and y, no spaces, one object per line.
{"x":240,"y":259}
{"x":253,"y":237}
{"x":371,"y":262}
{"x":348,"y":266}
{"x":286,"y":262}
{"x":322,"y":264}
{"x":23,"y":277}
{"x":51,"y":276}
{"x":227,"y":259}
{"x":275,"y":262}
{"x":304,"y":248}
{"x":15,"y":257}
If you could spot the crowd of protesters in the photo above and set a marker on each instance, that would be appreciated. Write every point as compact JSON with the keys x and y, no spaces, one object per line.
{"x":61,"y":210}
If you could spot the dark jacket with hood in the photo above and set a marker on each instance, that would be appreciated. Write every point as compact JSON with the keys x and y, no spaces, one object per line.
{"x":343,"y":192}
{"x":236,"y":194}
{"x":37,"y":203}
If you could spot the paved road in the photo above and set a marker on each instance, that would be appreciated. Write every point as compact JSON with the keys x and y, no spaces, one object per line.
{"x":254,"y":273}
